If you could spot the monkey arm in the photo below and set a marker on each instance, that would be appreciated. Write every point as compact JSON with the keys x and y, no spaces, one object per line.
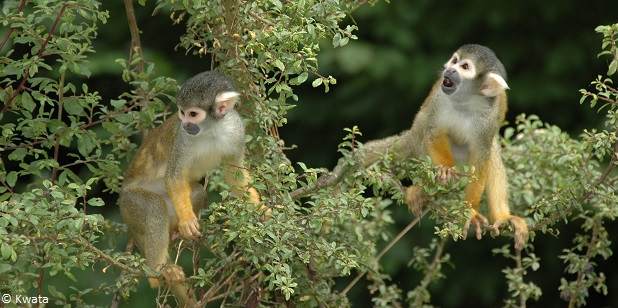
{"x":179,"y":190}
{"x":439,"y":149}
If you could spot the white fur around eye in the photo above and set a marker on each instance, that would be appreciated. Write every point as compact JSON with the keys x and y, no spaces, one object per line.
{"x":468,"y":73}
{"x":192,"y":115}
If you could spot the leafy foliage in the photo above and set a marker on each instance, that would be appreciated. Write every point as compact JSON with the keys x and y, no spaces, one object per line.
{"x":61,"y":141}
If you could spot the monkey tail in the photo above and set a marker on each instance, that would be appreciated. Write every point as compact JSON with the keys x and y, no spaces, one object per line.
{"x":184,"y":295}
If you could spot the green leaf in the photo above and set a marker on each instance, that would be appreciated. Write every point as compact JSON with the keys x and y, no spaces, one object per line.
{"x":124,"y":118}
{"x":316,"y":83}
{"x":86,"y":144}
{"x":72,"y":106}
{"x":56,"y":126}
{"x":5,"y":267}
{"x":27,"y":102}
{"x":11,"y":178}
{"x":279,"y":65}
{"x":18,"y":154}
{"x":612,"y":67}
{"x":118,"y":103}
{"x":302,"y":77}
{"x":6,"y":251}
{"x":336,"y":40}
{"x":83,"y":69}
{"x":111,"y":127}
{"x":96,"y":202}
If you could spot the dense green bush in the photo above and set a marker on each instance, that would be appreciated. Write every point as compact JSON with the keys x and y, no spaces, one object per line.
{"x":64,"y":148}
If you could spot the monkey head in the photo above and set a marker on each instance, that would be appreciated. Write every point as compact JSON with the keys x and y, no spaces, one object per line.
{"x":205,"y":99}
{"x":473,"y":70}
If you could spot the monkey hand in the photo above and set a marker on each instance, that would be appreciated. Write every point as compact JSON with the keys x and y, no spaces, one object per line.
{"x":478,"y":220}
{"x":415,"y":199}
{"x":445,"y":174}
{"x":189,"y":229}
{"x":520,"y":229}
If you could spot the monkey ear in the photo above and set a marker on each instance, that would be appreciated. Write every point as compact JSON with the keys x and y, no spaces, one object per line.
{"x":224,"y":102}
{"x":493,"y":85}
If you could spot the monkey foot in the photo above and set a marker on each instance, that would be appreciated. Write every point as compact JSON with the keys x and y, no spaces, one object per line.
{"x":520,"y":230}
{"x":445,"y":174}
{"x":415,"y":199}
{"x":173,"y":274}
{"x":189,"y":229}
{"x":478,"y":220}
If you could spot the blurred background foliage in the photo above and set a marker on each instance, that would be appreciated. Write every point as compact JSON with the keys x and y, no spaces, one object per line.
{"x":549,"y":49}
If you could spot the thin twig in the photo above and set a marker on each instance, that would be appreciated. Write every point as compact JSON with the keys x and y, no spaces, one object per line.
{"x":520,"y":267}
{"x":136,"y":44}
{"x":86,"y":243}
{"x":387,"y":248}
{"x":325,"y":180}
{"x":430,"y":271}
{"x":8,"y":33}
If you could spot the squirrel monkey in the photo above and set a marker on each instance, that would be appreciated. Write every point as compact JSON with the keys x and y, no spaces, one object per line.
{"x":457,"y":123}
{"x":161,"y":191}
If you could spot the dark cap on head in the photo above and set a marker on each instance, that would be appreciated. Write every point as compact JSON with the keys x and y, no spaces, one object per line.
{"x":483,"y":57}
{"x":203,"y":87}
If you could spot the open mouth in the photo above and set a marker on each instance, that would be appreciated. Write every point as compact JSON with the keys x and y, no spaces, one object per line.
{"x":447,"y":82}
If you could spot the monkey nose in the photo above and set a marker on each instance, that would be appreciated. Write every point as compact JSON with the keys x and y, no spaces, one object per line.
{"x":447,"y":82}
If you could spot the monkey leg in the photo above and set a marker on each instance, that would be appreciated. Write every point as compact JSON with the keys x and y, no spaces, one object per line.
{"x":146,"y":215}
{"x":497,"y":197}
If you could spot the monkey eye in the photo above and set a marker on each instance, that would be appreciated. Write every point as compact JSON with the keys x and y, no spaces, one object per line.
{"x":454,"y":61}
{"x":465,"y":66}
{"x":193,"y":114}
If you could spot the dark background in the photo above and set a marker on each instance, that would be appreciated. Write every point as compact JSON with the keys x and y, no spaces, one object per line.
{"x":549,"y":49}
